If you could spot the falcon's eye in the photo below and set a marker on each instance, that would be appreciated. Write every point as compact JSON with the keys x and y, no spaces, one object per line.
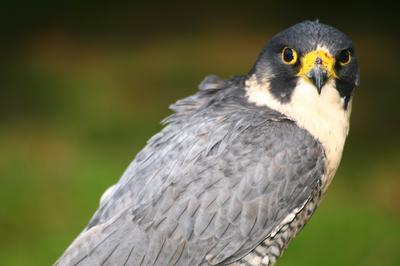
{"x":289,"y":56}
{"x":344,"y":57}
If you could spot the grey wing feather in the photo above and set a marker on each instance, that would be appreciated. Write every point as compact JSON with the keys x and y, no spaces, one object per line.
{"x":212,"y":82}
{"x":206,"y":190}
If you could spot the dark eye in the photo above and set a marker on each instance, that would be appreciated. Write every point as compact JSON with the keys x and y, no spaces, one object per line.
{"x":344,"y":57}
{"x":289,"y":56}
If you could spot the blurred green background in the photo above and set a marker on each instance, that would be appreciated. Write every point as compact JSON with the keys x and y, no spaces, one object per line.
{"x":84,"y":85}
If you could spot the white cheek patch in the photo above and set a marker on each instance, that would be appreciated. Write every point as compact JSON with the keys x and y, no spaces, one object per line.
{"x":323,"y":115}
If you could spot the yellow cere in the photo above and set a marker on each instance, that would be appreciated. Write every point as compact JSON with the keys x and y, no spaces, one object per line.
{"x":308,"y":62}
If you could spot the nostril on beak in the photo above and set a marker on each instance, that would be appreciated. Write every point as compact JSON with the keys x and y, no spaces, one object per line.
{"x":318,"y":61}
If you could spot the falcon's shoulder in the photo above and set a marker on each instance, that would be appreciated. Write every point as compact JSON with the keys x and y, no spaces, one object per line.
{"x":218,"y":180}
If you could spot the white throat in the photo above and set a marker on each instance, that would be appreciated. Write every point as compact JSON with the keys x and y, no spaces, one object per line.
{"x":322,"y":115}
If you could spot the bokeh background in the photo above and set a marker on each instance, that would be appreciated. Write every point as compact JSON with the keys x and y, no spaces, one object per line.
{"x":83,"y":85}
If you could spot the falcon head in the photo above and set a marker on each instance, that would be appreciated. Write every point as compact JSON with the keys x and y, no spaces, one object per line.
{"x":308,"y":53}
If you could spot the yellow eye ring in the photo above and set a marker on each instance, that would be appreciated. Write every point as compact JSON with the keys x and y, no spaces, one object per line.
{"x":289,"y":56}
{"x":344,"y":57}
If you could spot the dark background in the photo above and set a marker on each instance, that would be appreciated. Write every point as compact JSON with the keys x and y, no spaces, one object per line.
{"x":84,"y":85}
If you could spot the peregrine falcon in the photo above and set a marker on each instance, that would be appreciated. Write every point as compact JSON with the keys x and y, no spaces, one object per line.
{"x":240,"y":166}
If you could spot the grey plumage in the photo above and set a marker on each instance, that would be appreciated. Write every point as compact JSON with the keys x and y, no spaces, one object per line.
{"x":229,"y":180}
{"x":272,"y":247}
{"x":207,"y":189}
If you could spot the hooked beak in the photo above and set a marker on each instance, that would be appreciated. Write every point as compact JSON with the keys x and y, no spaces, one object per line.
{"x":318,"y":68}
{"x":318,"y":75}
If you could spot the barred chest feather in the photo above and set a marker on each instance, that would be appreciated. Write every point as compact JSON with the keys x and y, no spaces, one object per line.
{"x":268,"y":252}
{"x":324,"y":117}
